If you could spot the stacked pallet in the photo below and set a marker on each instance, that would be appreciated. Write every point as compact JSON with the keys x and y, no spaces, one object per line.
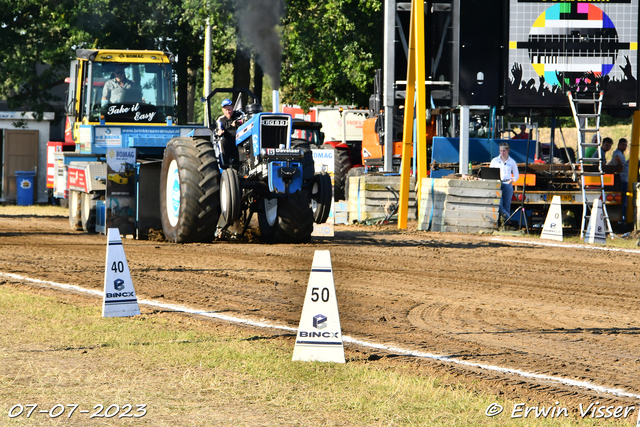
{"x":370,"y":199}
{"x":341,"y":212}
{"x":459,"y":206}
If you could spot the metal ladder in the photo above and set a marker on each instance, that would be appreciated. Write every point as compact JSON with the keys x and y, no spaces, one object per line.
{"x":588,"y":106}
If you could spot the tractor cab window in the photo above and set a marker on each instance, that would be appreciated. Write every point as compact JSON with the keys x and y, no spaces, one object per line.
{"x":308,"y":134}
{"x":129,"y":93}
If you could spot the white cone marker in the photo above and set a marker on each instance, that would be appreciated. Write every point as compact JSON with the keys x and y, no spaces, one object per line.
{"x":552,"y":229}
{"x":120,"y":299}
{"x":595,"y":229}
{"x":319,"y":336}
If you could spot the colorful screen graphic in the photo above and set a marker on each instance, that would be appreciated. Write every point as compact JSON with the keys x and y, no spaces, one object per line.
{"x":572,"y":39}
{"x":556,"y":47}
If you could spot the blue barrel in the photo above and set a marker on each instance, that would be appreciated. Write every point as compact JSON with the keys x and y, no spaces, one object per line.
{"x":24,"y":183}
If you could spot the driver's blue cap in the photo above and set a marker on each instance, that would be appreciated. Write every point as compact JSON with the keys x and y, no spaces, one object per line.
{"x":226,"y":102}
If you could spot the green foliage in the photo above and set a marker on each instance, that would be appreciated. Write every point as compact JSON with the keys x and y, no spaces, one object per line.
{"x":568,"y":122}
{"x":38,"y":38}
{"x":224,"y":78}
{"x":36,"y":41}
{"x":331,"y":49}
{"x":194,"y":13}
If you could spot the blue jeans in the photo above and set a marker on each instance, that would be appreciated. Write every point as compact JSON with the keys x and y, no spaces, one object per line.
{"x":505,"y":201}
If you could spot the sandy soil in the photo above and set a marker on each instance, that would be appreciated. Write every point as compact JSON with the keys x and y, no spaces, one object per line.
{"x":558,"y":311}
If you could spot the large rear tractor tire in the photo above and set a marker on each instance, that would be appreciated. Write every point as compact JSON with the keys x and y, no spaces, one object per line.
{"x":189,"y":191}
{"x":321,"y":197}
{"x":75,"y":210}
{"x":88,"y":212}
{"x":230,"y":196}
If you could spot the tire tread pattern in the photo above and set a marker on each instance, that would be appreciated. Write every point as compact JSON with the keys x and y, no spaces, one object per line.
{"x":323,"y":198}
{"x":199,"y":187}
{"x":295,"y":218}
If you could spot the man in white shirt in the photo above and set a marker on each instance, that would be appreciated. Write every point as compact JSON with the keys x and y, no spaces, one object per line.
{"x":508,"y":175}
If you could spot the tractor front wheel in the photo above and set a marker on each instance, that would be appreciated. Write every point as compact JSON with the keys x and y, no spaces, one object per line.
{"x":295,"y":218}
{"x":286,"y":220}
{"x":230,"y":196}
{"x":268,"y":219}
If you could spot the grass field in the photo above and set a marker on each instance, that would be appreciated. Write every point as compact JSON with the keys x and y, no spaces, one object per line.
{"x":35,"y":210}
{"x":56,"y":349}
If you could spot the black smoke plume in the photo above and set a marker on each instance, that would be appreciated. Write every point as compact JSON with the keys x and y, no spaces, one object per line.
{"x":258,"y":21}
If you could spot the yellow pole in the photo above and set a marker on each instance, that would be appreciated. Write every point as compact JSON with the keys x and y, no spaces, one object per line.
{"x":421,"y":104}
{"x":206,"y":89}
{"x":407,"y":128}
{"x":633,"y":164}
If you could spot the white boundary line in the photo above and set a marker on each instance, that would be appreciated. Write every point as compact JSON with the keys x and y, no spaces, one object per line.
{"x":179,"y":308}
{"x":567,"y":245}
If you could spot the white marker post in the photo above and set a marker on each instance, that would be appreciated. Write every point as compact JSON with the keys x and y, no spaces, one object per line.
{"x":319,"y":336}
{"x":120,"y":299}
{"x":595,"y":229}
{"x":552,"y":229}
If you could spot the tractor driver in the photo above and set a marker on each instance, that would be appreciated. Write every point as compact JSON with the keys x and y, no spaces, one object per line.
{"x":228,"y":124}
{"x":115,"y":88}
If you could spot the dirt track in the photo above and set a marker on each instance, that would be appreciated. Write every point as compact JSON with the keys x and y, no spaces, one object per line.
{"x":564,"y":312}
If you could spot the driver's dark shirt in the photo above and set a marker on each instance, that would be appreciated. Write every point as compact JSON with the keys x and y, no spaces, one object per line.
{"x":225,"y":124}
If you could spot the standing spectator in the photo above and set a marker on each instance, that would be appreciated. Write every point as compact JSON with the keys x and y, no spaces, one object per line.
{"x":508,"y":175}
{"x":590,"y":152}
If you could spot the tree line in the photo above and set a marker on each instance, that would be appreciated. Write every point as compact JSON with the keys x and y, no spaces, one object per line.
{"x":329,"y":49}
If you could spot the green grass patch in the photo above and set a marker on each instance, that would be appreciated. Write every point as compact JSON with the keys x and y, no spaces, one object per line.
{"x":618,"y":242}
{"x":198,"y":372}
{"x":574,"y":238}
{"x":34,"y":210}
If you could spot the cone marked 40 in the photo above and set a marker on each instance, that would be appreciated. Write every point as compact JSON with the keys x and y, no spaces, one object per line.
{"x":120,"y":298}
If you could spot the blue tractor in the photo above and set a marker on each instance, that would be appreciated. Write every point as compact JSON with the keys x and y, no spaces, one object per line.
{"x":203,"y":193}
